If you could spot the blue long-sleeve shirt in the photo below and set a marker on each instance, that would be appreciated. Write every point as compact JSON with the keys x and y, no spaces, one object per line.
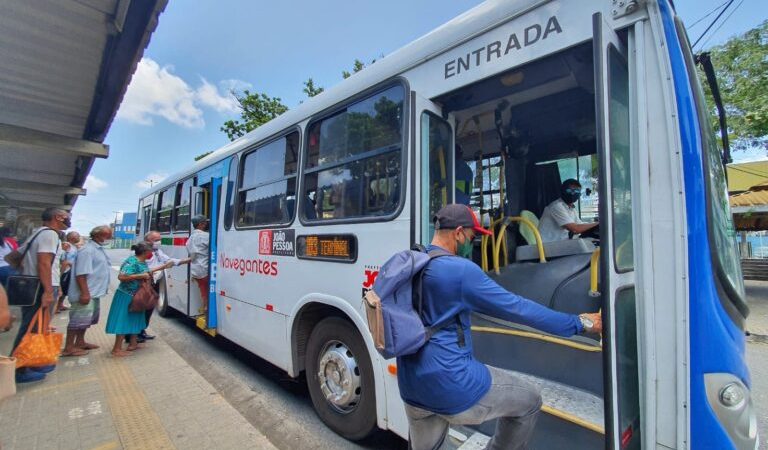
{"x":443,"y":377}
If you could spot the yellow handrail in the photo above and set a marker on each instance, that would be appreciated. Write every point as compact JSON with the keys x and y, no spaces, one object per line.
{"x":484,"y":245}
{"x":503,"y":230}
{"x":538,"y":336}
{"x":484,"y":252}
{"x":594,"y":272}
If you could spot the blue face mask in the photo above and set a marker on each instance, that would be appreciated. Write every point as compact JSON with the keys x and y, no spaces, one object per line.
{"x":571,"y":195}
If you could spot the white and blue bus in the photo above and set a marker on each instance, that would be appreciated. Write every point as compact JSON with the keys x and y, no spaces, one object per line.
{"x":493,"y":109}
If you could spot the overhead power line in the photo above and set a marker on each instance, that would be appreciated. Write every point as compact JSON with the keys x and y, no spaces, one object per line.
{"x":707,"y":14}
{"x":730,"y":2}
{"x":722,"y":23}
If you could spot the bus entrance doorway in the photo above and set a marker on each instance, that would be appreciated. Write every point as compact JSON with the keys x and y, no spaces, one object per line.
{"x":205,"y":202}
{"x":503,"y":146}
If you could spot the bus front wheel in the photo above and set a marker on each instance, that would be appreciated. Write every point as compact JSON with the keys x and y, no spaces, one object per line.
{"x":340,"y":378}
{"x":162,"y":301}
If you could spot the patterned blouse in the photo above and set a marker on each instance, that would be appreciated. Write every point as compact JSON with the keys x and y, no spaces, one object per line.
{"x":132,"y":266}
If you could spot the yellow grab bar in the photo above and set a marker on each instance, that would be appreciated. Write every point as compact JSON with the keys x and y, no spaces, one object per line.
{"x":484,"y":239}
{"x":503,"y":230}
{"x":594,"y":272}
{"x":538,"y":336}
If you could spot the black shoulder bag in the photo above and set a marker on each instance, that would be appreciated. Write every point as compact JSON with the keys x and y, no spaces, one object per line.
{"x":25,"y":290}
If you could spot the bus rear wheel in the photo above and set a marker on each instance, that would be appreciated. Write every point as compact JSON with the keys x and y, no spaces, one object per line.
{"x":340,"y":378}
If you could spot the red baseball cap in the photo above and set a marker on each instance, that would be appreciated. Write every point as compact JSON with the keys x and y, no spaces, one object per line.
{"x":458,"y":215}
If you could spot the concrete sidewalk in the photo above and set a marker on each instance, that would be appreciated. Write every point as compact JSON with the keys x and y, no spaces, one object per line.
{"x":150,"y":400}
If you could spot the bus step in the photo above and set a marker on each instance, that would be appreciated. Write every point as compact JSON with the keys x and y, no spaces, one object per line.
{"x":201,"y":322}
{"x":576,"y":361}
{"x":570,"y":418}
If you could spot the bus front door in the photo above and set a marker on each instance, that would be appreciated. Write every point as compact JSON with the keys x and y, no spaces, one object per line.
{"x":200,"y":196}
{"x":615,"y":83}
{"x":435,"y":166}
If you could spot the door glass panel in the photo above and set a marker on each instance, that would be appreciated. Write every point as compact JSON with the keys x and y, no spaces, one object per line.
{"x":618,"y":125}
{"x":436,"y":170}
{"x":628,"y":386}
{"x":229,"y":206}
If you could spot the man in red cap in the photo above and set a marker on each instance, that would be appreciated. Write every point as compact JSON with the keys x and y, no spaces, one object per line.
{"x":443,"y":383}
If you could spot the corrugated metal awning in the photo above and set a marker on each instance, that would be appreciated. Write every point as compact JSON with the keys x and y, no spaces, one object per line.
{"x":64,"y":67}
{"x":750,"y":208}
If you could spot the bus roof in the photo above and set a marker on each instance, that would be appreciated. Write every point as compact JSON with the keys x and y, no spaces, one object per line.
{"x":462,"y":28}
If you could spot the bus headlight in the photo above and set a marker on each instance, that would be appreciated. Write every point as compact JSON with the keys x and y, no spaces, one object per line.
{"x":731,"y":402}
{"x":732,"y":395}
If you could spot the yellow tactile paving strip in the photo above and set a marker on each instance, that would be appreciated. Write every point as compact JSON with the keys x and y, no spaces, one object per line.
{"x":137,"y":424}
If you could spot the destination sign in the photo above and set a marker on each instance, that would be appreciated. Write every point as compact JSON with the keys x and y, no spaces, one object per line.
{"x":329,"y":247}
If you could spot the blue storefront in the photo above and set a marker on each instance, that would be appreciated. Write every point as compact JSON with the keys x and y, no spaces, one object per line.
{"x":125,"y":231}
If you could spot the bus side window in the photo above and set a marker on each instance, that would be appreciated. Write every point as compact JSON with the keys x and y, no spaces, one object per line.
{"x":353,"y":167}
{"x":181,"y":210}
{"x":165,"y":210}
{"x":267,"y":193}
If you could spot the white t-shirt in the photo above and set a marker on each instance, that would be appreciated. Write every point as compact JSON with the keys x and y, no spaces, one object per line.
{"x":197,"y":246}
{"x":555,"y":216}
{"x":46,"y":242}
{"x":56,"y":268}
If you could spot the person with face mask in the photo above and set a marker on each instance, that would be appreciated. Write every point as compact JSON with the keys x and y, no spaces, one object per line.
{"x":197,"y":247}
{"x":442,"y":383}
{"x":89,"y":283}
{"x":157,"y":263}
{"x":122,"y":322}
{"x":561,"y":218}
{"x":39,"y":257}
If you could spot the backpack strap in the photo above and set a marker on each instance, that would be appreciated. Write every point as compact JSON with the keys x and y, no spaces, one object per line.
{"x":431,"y":330}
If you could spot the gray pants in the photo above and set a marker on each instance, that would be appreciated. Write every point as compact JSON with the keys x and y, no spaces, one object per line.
{"x":514,"y":401}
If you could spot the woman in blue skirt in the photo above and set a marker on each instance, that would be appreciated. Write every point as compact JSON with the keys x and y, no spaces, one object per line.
{"x":121,"y":321}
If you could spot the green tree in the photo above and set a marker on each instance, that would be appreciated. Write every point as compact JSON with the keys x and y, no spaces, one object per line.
{"x":256,"y":110}
{"x":259,"y":108}
{"x":310,"y":89}
{"x":356,"y":67}
{"x":741,"y":66}
{"x":203,"y":155}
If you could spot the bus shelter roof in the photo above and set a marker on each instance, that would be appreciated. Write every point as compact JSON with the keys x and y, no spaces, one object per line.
{"x":66,"y":66}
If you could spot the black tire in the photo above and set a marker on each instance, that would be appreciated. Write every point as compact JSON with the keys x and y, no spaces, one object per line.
{"x":162,"y":302}
{"x":339,"y":339}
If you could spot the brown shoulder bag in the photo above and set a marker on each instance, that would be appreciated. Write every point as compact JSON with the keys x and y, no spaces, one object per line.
{"x":144,"y":299}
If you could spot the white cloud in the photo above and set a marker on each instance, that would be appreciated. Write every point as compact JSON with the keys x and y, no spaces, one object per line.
{"x":234,"y":85}
{"x":93,"y":184}
{"x":209,"y":95}
{"x":151,"y":179}
{"x":156,"y":91}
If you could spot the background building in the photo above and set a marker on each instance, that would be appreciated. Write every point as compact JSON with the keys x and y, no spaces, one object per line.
{"x":125,"y":231}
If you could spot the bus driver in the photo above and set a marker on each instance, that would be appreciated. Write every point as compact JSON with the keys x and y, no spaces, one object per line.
{"x":560,"y":217}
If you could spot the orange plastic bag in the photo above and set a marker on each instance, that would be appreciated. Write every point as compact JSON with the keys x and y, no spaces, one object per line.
{"x":41,"y":348}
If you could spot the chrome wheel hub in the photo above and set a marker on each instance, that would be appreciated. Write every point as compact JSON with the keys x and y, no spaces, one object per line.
{"x":339,"y":376}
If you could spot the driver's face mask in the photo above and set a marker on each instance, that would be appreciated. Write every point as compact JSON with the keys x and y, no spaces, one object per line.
{"x":571,"y":195}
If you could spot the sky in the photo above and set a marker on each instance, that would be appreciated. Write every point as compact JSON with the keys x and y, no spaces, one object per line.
{"x":180,"y":95}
